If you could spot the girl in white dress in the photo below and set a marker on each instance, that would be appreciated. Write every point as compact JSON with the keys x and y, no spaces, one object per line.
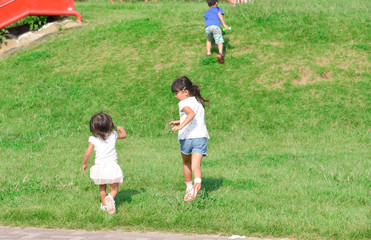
{"x":105,"y":170}
{"x":192,"y":132}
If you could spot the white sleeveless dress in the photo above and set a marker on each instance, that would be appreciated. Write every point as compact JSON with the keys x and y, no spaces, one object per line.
{"x":106,"y":170}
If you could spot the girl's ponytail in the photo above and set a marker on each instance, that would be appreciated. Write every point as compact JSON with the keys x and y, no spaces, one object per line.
{"x":196,"y":92}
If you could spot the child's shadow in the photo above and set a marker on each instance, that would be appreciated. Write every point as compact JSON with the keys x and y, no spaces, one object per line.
{"x":211,"y":184}
{"x":126,"y":195}
{"x":226,"y":46}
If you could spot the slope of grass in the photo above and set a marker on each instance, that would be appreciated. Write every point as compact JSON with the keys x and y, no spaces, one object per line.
{"x":289,"y":120}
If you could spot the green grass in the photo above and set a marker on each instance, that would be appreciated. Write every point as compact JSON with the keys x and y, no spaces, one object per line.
{"x":289,"y":120}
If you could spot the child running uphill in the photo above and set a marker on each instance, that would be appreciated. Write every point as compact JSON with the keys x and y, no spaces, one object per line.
{"x":192,"y":132}
{"x":213,"y":17}
{"x":106,"y":170}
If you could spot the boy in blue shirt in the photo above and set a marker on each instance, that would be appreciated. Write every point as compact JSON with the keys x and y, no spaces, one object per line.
{"x":213,"y":18}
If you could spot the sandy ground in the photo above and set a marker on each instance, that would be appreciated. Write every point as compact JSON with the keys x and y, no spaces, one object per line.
{"x":16,"y":233}
{"x":18,"y":42}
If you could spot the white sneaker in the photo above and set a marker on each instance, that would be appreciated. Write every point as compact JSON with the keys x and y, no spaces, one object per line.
{"x":189,"y":190}
{"x":192,"y":194}
{"x":103,"y":208}
{"x":110,"y":204}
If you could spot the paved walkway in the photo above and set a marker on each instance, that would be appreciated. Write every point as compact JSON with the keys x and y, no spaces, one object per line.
{"x":15,"y":233}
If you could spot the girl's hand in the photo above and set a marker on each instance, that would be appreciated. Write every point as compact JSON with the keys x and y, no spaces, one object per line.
{"x":174,"y":123}
{"x":84,"y":167}
{"x":122,"y":133}
{"x":176,"y":128}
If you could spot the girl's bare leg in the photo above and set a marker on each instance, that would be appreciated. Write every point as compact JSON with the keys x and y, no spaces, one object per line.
{"x":187,"y":167}
{"x":196,"y":170}
{"x":114,"y":189}
{"x":196,"y":164}
{"x":103,"y":193}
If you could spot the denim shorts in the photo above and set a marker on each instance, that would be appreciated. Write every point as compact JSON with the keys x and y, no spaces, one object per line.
{"x":189,"y":146}
{"x":216,"y":32}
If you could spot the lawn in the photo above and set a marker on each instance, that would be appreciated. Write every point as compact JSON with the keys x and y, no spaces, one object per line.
{"x":289,"y":120}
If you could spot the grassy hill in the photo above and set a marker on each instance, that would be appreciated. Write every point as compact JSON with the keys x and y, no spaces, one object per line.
{"x":289,"y":120}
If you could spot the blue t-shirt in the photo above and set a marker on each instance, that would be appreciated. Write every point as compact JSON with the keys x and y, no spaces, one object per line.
{"x":211,"y":16}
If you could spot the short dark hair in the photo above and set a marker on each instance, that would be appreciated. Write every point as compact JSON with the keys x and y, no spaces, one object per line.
{"x":101,"y":125}
{"x":211,"y":2}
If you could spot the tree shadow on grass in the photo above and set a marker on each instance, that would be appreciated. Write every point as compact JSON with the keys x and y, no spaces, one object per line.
{"x":211,"y":184}
{"x":126,"y":195}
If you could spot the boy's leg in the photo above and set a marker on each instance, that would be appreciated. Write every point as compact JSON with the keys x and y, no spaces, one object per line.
{"x":220,"y":48}
{"x":187,"y":167}
{"x":103,"y":193}
{"x":218,"y":37}
{"x":220,"y":55}
{"x":208,"y":47}
{"x":209,"y":38}
{"x":114,"y":189}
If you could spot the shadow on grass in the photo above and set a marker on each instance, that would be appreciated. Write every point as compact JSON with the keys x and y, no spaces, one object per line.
{"x":126,"y":195}
{"x":214,"y":46}
{"x":211,"y":184}
{"x":226,"y":46}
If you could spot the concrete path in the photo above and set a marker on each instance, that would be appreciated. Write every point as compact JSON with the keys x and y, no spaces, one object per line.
{"x":15,"y":233}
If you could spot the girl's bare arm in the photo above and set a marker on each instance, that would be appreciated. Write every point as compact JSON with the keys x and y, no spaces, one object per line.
{"x":87,"y":156}
{"x":190,"y":115}
{"x":122,"y":133}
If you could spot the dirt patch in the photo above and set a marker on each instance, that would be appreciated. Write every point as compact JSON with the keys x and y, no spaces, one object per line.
{"x":19,"y":37}
{"x":307,"y":76}
{"x":325,"y":76}
{"x":272,"y":43}
{"x":158,"y":67}
{"x":242,"y":51}
{"x":322,"y":61}
{"x":275,"y":85}
{"x":343,"y":66}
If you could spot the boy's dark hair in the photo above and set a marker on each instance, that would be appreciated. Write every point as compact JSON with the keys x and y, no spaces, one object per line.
{"x":183,"y":83}
{"x":211,"y":2}
{"x":101,"y":125}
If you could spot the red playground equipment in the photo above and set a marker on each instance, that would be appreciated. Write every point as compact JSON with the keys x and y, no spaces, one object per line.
{"x":120,"y":1}
{"x":14,"y":10}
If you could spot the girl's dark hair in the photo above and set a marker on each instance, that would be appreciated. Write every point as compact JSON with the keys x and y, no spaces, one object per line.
{"x":183,"y":83}
{"x":101,"y":125}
